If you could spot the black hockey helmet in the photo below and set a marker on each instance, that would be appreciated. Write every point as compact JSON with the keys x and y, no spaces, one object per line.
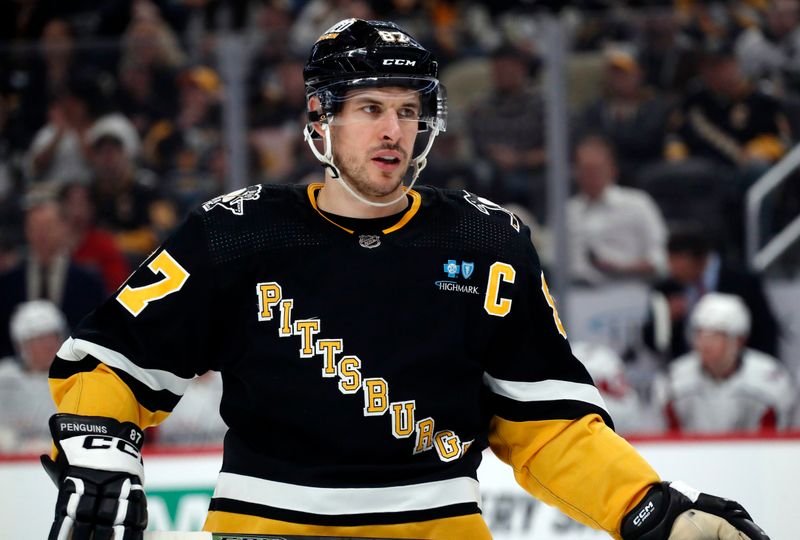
{"x":355,"y":53}
{"x":355,"y":48}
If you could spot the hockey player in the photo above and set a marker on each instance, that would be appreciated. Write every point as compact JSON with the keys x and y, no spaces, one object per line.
{"x":373,"y":340}
{"x":629,"y":413}
{"x":722,"y":386}
{"x":37,"y":330}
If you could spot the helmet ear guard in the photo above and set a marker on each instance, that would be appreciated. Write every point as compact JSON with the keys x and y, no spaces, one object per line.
{"x":315,"y":117}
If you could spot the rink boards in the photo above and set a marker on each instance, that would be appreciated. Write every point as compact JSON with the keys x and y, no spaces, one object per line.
{"x":759,"y":473}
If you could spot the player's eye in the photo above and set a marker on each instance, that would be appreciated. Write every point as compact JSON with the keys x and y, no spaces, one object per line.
{"x":407,"y":113}
{"x":371,"y":109}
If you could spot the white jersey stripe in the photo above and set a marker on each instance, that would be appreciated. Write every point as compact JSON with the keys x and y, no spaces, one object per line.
{"x":338,"y":501}
{"x":74,"y":350}
{"x":548,"y":390}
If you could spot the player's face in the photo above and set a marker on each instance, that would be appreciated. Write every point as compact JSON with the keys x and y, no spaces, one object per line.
{"x":718,"y":351}
{"x":373,"y":139}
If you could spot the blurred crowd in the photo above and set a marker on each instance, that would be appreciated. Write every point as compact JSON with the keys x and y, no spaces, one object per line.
{"x":112,"y":128}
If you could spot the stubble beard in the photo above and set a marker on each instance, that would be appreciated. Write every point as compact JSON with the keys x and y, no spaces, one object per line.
{"x":356,"y":174}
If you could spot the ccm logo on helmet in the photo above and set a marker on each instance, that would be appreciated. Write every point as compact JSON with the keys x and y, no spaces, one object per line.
{"x":398,"y":62}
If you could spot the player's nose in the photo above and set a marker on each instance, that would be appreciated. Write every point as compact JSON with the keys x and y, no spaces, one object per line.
{"x":390,"y":128}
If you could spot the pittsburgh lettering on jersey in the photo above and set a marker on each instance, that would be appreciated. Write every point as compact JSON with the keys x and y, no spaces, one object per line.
{"x":329,"y":348}
{"x":376,"y":396}
{"x":346,"y":368}
{"x":447,"y":445}
{"x":424,"y":435}
{"x":269,"y":294}
{"x":349,"y":371}
{"x":286,"y":318}
{"x":403,"y":418}
{"x":307,"y":329}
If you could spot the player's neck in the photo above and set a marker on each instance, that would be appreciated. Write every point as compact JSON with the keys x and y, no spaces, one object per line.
{"x":335,"y":199}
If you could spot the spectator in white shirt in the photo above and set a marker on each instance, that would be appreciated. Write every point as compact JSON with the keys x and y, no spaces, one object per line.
{"x":722,"y":386}
{"x":59,"y":150}
{"x":37,"y":330}
{"x":615,"y":232}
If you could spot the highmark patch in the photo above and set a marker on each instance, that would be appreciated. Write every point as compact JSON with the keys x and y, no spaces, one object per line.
{"x":452,"y":286}
{"x":454,"y":270}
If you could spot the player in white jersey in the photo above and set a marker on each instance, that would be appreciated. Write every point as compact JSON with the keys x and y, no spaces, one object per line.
{"x":629,"y":412}
{"x":37,"y":329}
{"x":722,"y":386}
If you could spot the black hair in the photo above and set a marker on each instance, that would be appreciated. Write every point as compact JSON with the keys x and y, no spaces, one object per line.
{"x":85,"y":85}
{"x":66,"y":188}
{"x":689,"y":239}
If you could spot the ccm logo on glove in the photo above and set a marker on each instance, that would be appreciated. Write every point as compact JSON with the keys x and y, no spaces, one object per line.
{"x":101,"y":442}
{"x":644,"y":513}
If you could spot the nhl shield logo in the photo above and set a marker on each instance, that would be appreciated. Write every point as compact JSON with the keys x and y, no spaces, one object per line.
{"x":234,"y":201}
{"x":369,"y":241}
{"x":467,"y":268}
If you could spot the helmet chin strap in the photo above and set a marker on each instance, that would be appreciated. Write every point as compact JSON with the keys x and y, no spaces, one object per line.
{"x":418,"y":163}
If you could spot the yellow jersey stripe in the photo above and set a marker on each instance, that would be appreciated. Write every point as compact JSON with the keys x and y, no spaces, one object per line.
{"x":416,"y":203}
{"x":101,"y":392}
{"x":470,"y":527}
{"x":312,"y":197}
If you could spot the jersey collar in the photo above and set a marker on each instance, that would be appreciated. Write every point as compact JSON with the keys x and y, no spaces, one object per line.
{"x":405,"y":217}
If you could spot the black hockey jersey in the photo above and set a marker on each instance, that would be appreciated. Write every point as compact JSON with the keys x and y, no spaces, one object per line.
{"x":366,"y":364}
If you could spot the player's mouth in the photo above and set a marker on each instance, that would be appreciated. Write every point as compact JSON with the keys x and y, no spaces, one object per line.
{"x":387,"y":160}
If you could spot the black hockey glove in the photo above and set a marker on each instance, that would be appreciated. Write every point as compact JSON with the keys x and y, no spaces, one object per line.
{"x":99,"y":475}
{"x":676,"y":511}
